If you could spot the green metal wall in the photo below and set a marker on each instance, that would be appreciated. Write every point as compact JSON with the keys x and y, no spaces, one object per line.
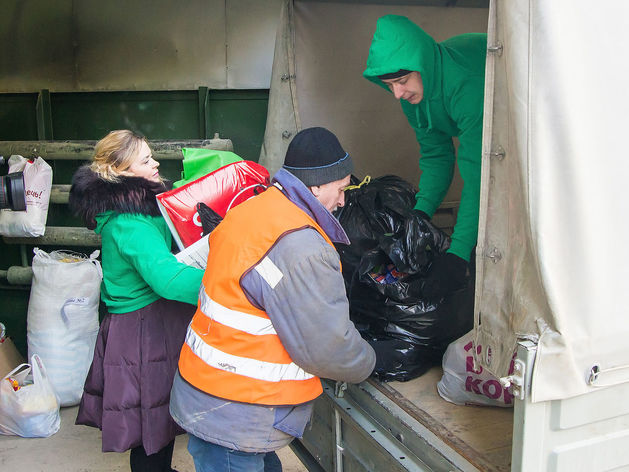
{"x":18,"y":119}
{"x":239,"y":115}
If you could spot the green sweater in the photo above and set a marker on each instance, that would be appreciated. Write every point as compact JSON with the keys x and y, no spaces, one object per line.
{"x":138,"y":267}
{"x":453,"y":75}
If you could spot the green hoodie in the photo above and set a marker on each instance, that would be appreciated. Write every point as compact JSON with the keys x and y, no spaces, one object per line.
{"x":453,"y":76}
{"x":138,"y":267}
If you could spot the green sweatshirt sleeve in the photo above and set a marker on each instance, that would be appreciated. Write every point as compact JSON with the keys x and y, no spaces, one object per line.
{"x":437,"y":165}
{"x":470,"y":124}
{"x":141,"y":243}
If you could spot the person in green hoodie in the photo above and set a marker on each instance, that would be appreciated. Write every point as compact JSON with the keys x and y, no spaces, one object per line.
{"x":441,"y":89}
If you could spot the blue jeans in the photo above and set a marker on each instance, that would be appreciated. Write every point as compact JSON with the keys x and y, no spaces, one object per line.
{"x":210,"y":457}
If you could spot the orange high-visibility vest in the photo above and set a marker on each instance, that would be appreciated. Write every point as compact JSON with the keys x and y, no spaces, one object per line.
{"x":232,"y":350}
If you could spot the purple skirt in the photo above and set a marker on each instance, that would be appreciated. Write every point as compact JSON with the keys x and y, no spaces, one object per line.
{"x":127,"y":390}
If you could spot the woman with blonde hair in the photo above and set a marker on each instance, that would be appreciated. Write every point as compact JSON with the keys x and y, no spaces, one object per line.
{"x":150,"y":299}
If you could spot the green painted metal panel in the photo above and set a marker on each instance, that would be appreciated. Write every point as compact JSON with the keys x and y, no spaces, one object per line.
{"x":44,"y":116}
{"x":240,"y":115}
{"x":13,"y":315}
{"x":204,"y":112}
{"x":157,"y":115}
{"x":18,"y":120}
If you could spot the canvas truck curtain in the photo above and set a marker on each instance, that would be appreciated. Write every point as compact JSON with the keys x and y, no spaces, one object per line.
{"x":282,"y":120}
{"x":553,"y":265}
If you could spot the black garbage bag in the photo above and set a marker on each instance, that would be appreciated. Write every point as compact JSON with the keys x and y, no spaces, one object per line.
{"x":399,"y":312}
{"x":415,"y":245}
{"x":396,"y":359}
{"x":433,"y":330}
{"x":378,"y":271}
{"x":371,"y":212}
{"x":385,"y":275}
{"x":209,"y":218}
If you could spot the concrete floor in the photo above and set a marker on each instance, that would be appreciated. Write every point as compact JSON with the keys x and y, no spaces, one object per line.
{"x":77,"y":449}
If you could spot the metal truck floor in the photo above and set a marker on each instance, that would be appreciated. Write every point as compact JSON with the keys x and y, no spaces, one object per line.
{"x":482,"y":434}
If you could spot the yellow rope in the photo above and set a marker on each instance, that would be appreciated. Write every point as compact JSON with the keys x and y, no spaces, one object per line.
{"x":365,"y":181}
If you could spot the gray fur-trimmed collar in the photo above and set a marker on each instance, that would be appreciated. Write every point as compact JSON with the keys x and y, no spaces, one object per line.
{"x":91,"y":195}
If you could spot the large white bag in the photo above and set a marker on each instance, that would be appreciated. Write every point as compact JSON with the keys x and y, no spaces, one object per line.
{"x":33,"y":410}
{"x":463,"y":385}
{"x":37,"y":186}
{"x":62,"y":318}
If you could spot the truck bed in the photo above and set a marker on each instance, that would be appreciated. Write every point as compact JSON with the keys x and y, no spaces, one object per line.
{"x":483,"y":435}
{"x":404,"y":426}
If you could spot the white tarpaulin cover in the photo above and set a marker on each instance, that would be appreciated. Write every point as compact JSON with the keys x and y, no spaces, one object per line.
{"x":551,"y":258}
{"x":551,"y":264}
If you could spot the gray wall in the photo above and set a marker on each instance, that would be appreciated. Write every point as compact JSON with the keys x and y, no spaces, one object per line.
{"x":93,"y":45}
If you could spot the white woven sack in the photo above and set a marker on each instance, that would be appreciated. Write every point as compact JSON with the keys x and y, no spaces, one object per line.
{"x":463,"y":383}
{"x":62,"y":319}
{"x":37,"y":186}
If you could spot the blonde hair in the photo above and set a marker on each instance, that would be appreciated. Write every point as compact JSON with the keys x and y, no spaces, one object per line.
{"x":115,"y":153}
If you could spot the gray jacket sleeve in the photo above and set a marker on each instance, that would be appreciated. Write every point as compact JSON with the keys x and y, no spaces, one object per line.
{"x":306,"y":301}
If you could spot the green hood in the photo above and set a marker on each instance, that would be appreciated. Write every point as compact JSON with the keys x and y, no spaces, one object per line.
{"x":398,"y":43}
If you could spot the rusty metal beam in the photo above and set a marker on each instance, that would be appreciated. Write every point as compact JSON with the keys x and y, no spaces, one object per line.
{"x":83,"y":150}
{"x":60,"y":236}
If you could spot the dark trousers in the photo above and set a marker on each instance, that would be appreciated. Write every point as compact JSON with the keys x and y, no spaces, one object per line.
{"x":158,"y":462}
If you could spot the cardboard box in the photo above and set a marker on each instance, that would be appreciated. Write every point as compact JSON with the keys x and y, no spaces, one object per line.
{"x":10,"y":358}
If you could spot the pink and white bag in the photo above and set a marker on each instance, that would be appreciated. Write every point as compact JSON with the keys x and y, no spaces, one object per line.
{"x":462,"y":384}
{"x":37,"y":186}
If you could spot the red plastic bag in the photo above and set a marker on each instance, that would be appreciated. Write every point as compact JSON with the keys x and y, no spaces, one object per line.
{"x":220,"y":190}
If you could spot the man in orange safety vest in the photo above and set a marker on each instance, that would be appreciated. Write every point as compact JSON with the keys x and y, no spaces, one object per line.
{"x":273,"y":316}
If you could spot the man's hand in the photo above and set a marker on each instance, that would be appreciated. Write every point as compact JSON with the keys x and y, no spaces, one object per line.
{"x":422,"y":214}
{"x":447,"y":274}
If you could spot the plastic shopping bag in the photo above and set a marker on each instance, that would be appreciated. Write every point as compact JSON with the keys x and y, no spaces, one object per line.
{"x":221,"y":190}
{"x":28,"y":404}
{"x":37,"y":186}
{"x":463,"y":384}
{"x":199,"y":162}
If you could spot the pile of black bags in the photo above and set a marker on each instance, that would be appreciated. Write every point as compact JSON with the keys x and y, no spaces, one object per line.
{"x":385,"y":268}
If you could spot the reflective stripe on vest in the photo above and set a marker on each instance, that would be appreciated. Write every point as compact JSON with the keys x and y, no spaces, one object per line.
{"x":232,"y":350}
{"x":260,"y":370}
{"x":234,"y":319}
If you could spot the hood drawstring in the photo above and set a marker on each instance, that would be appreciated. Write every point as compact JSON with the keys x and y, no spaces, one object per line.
{"x":428,"y":115}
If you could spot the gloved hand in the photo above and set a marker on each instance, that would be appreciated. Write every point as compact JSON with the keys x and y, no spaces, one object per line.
{"x":423,"y":214}
{"x":209,"y":218}
{"x":447,"y":274}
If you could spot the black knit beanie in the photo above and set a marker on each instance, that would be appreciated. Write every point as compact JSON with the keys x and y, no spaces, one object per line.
{"x":316,"y":157}
{"x":394,"y":75}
